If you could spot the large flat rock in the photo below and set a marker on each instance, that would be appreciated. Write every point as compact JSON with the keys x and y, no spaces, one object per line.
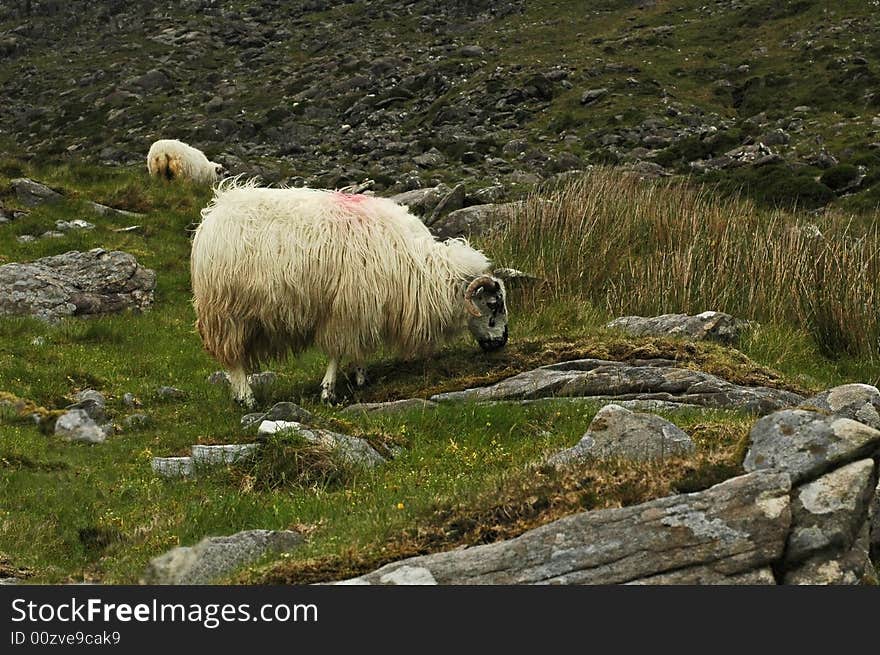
{"x":731,"y":529}
{"x":711,"y":325}
{"x":622,"y":381}
{"x":92,"y":282}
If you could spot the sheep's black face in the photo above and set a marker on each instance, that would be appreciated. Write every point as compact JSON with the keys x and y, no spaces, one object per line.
{"x":490,"y":327}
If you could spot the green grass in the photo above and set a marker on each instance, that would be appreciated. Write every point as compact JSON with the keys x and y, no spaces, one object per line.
{"x":465,"y":475}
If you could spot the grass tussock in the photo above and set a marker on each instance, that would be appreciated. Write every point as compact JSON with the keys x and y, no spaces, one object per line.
{"x":635,"y":248}
{"x":287,"y":459}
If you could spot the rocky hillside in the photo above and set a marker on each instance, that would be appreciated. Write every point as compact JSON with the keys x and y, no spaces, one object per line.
{"x":781,"y":98}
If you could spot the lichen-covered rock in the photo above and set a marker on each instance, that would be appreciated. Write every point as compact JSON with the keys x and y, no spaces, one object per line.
{"x":860,"y":402}
{"x":216,"y":557}
{"x":616,"y":432}
{"x":806,"y":443}
{"x":621,"y":381}
{"x":731,"y":529}
{"x":828,"y":512}
{"x":716,"y":326}
{"x":851,"y":567}
{"x":75,"y":283}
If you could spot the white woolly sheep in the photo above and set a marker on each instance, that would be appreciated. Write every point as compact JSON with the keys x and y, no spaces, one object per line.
{"x":276,"y":271}
{"x":172,"y":159}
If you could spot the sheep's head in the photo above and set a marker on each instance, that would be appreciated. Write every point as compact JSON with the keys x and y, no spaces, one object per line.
{"x":485,"y":302}
{"x":219,"y":170}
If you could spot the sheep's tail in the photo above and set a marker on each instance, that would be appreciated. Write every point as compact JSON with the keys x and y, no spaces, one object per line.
{"x":173,"y":166}
{"x":165,"y":165}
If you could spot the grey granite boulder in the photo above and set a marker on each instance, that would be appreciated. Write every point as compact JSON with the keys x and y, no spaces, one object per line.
{"x":473,"y":220}
{"x":93,"y":282}
{"x":860,"y":402}
{"x":716,"y":326}
{"x":92,"y":403}
{"x":731,"y":529}
{"x":621,"y":381}
{"x":806,"y":444}
{"x":829,"y":512}
{"x":215,"y":557}
{"x":422,"y":202}
{"x":616,"y":432}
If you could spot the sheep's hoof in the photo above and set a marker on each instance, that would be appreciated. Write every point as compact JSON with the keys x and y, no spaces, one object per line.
{"x":249,"y":403}
{"x":328,"y":397}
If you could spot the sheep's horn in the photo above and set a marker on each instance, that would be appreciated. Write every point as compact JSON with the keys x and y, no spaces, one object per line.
{"x":478,"y":283}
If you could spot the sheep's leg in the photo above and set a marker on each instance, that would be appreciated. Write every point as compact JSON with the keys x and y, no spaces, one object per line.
{"x":360,"y":375}
{"x":328,"y":384}
{"x":241,"y":390}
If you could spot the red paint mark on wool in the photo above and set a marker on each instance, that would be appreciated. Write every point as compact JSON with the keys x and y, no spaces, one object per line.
{"x":350,"y":199}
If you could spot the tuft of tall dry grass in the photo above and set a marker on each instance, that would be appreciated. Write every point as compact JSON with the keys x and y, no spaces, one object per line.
{"x":630,"y":246}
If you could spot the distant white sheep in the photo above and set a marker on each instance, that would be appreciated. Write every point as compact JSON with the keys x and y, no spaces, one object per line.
{"x":172,"y":159}
{"x":280,"y":270}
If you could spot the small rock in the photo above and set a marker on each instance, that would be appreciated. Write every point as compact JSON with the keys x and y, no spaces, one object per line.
{"x":172,"y":467}
{"x":431,"y":159}
{"x":591,"y":96}
{"x":170,"y":393}
{"x":76,"y":224}
{"x":77,"y":425}
{"x":617,"y":432}
{"x":129,"y":400}
{"x":473,"y":51}
{"x":137,"y":421}
{"x":450,"y":202}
